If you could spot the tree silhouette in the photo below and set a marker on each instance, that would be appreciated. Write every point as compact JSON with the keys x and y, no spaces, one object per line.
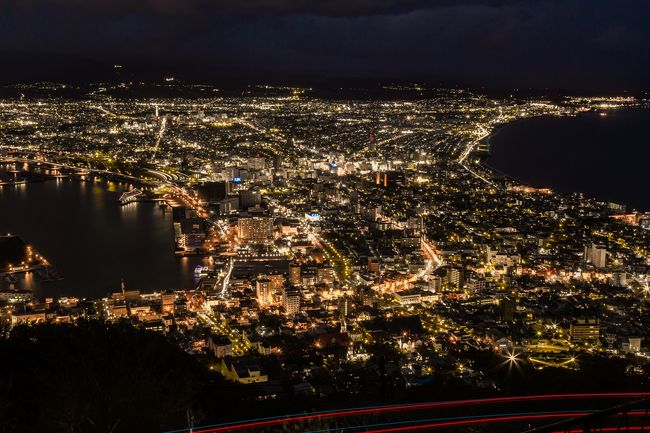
{"x":95,"y":378}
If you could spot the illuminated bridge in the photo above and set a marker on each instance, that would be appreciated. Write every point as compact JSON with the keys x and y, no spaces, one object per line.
{"x":551,"y":413}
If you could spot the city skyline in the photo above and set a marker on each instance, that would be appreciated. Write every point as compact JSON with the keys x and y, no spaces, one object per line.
{"x":302,"y":251}
{"x":337,"y":216}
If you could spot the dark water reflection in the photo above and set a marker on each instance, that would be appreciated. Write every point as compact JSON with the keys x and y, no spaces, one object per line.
{"x":605,"y":157}
{"x":92,"y":240}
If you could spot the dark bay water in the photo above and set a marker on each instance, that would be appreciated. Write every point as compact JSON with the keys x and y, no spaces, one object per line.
{"x":607,"y":157}
{"x":92,"y":240}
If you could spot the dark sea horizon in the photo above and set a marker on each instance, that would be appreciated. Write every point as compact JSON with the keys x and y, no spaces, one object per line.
{"x":606,"y":157}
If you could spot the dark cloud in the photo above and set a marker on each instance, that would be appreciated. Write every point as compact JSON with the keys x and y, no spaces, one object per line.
{"x":309,"y":7}
{"x":597,"y":44}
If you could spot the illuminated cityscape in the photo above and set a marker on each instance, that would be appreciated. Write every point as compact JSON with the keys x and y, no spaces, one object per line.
{"x":345,"y":230}
{"x":282,"y":216}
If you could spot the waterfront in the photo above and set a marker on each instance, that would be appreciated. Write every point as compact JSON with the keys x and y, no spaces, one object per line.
{"x":336,"y":252}
{"x":602,"y":156}
{"x":91,"y":240}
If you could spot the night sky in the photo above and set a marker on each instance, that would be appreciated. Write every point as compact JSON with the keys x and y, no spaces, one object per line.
{"x":569,"y":44}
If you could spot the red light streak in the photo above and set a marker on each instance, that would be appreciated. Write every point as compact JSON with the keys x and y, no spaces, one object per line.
{"x":479,"y":421}
{"x":489,"y":419}
{"x":621,"y":429}
{"x":416,"y":406}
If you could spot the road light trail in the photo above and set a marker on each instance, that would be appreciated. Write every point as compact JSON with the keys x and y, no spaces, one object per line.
{"x":433,"y":263}
{"x":226,"y":278}
{"x":159,"y":136}
{"x":271,"y":421}
{"x":484,"y":133}
{"x":454,"y":420}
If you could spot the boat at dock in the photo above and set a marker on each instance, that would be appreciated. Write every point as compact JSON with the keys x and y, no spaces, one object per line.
{"x":130,"y":196}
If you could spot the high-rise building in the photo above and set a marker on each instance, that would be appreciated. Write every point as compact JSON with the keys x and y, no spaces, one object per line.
{"x":325,"y":275}
{"x":291,"y":301}
{"x":367,"y":297}
{"x":374,"y":265}
{"x":435,"y":283}
{"x":415,"y":225}
{"x":596,"y":255}
{"x":255,"y":229}
{"x":249,"y":198}
{"x":263,"y":289}
{"x":390,"y":179}
{"x":455,"y":278}
{"x":295,"y":278}
{"x":276,"y":281}
{"x":507,"y":307}
{"x":345,"y":305}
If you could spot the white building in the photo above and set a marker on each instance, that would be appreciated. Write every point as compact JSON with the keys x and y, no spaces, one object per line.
{"x":596,"y":255}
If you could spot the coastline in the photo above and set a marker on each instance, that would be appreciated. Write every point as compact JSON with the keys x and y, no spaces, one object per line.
{"x":502,"y":173}
{"x":140,"y":228}
{"x":485,"y":162}
{"x":76,"y":172}
{"x":501,"y":126}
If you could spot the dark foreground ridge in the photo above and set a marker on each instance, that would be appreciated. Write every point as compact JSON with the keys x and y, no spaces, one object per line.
{"x":99,"y":377}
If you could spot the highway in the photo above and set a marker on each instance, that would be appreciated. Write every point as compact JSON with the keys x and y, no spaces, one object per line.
{"x":483,"y":134}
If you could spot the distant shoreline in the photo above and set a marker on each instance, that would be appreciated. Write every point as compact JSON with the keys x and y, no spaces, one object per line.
{"x":488,"y":160}
{"x":495,"y":132}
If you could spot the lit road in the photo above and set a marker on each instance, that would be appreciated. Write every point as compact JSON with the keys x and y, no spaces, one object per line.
{"x":159,"y":136}
{"x":483,"y":133}
{"x":433,"y":260}
{"x":239,"y":345}
{"x":226,"y":278}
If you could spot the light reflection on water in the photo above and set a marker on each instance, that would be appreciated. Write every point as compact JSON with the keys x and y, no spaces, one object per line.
{"x":93,"y":241}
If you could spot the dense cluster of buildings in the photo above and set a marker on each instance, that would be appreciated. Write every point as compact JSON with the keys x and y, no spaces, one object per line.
{"x":335,"y":228}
